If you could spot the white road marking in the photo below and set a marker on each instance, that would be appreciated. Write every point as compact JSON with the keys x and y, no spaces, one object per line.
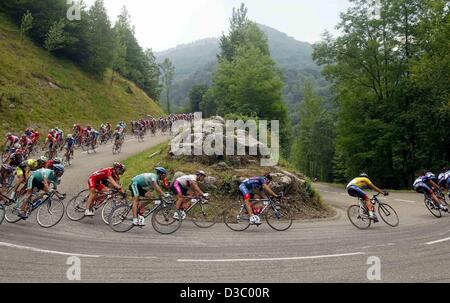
{"x":438,"y":241}
{"x":273,"y":259}
{"x":54,"y":252}
{"x":47,"y":251}
{"x":407,"y":201}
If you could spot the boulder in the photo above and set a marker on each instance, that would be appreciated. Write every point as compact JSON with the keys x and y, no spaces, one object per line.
{"x":177,"y":175}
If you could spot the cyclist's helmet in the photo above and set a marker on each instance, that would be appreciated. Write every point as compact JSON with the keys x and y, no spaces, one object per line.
{"x":58,"y":169}
{"x":161,"y":171}
{"x":69,"y":136}
{"x":364,"y":175}
{"x":8,"y":135}
{"x":7,"y":169}
{"x":200,"y":173}
{"x":57,"y":161}
{"x":89,"y":128}
{"x":268,"y":178}
{"x":119,"y":167}
{"x":17,"y":146}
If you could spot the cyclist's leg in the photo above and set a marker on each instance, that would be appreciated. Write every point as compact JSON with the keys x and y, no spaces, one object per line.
{"x":355,"y":191}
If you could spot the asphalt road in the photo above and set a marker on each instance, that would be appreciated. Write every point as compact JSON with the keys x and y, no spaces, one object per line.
{"x":314,"y":251}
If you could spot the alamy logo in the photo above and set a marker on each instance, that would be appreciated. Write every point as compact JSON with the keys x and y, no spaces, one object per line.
{"x":374,"y":271}
{"x":74,"y":11}
{"x":74,"y":271}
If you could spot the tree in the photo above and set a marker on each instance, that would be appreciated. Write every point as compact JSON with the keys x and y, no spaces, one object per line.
{"x":313,"y":149}
{"x":26,"y":24}
{"x":196,"y":97}
{"x":388,"y":121}
{"x":55,"y":37}
{"x":167,"y":74}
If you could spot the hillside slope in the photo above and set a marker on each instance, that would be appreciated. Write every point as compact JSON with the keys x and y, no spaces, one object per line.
{"x":40,"y":90}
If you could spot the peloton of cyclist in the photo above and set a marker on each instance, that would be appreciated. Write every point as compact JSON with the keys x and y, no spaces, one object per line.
{"x":355,"y":189}
{"x":41,"y":180}
{"x":141,"y":186}
{"x":425,"y":184}
{"x":184,"y":185}
{"x":255,"y":187}
{"x":102,"y":181}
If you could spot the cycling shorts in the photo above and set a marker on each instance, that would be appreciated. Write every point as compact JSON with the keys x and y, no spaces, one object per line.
{"x":246,"y":193}
{"x":137,"y":190}
{"x":178,"y":189}
{"x":33,"y":183}
{"x":355,"y":191}
{"x":423,"y":188}
{"x":99,"y":185}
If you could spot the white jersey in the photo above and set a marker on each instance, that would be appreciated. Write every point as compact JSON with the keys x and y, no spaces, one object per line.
{"x":186,"y":181}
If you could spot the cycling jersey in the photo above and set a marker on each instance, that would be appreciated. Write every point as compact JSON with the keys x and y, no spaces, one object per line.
{"x":422,"y":185}
{"x":37,"y":178}
{"x":13,"y":140}
{"x":187,"y":180}
{"x":141,"y":184}
{"x":360,"y":182}
{"x":249,"y":187}
{"x":96,"y":180}
{"x":70,"y":143}
{"x":26,"y":165}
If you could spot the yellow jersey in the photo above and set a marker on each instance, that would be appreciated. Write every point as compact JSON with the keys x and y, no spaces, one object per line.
{"x":360,"y":182}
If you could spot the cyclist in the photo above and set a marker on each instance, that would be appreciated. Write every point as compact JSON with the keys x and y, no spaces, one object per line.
{"x":355,"y":189}
{"x":185,"y":184}
{"x":6,"y":171}
{"x":102,"y":181}
{"x":23,"y":171}
{"x":11,"y":140}
{"x":94,"y":137}
{"x":252,"y":187}
{"x":444,"y":179}
{"x":141,"y":186}
{"x":425,"y":185}
{"x":41,"y":180}
{"x":17,"y":156}
{"x":50,"y":163}
{"x":69,"y":144}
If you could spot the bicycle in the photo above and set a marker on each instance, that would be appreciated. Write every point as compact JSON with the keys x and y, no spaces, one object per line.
{"x":359,"y":214}
{"x":68,"y":157}
{"x":434,"y":209}
{"x":76,"y":207}
{"x":117,"y":147}
{"x":6,"y":154}
{"x":202,"y":213}
{"x":277,"y":215}
{"x":51,"y":206}
{"x":121,"y":218}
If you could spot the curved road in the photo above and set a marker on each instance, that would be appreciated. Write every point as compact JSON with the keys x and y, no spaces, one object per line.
{"x":314,"y":251}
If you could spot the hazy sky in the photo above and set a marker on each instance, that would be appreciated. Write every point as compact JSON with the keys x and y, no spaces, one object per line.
{"x":163,"y":24}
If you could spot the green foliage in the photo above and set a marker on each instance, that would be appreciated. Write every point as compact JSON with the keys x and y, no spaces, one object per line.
{"x":26,"y":24}
{"x":196,"y":97}
{"x":55,"y":37}
{"x":167,"y":74}
{"x":391,"y":79}
{"x":313,"y":148}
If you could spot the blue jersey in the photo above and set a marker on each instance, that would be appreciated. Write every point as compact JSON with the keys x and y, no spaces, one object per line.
{"x":255,"y":183}
{"x":70,"y":142}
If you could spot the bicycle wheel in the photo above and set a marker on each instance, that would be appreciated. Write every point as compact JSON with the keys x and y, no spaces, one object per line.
{"x":434,"y":210}
{"x":204,"y":215}
{"x":388,"y":215}
{"x":163,"y":219}
{"x":77,"y":206}
{"x":359,"y":217}
{"x":2,"y":213}
{"x":12,"y":211}
{"x":236,"y":217}
{"x":121,"y":219}
{"x":280,"y":218}
{"x":50,"y":213}
{"x":108,"y":208}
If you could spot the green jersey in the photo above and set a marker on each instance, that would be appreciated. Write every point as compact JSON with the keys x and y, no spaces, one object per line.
{"x":145,"y":180}
{"x":44,"y":173}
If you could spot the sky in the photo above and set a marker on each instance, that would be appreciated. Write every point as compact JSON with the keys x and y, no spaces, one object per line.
{"x":163,"y":24}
